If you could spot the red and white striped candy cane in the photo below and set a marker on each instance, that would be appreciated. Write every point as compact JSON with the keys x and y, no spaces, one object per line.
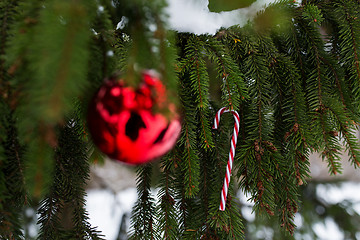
{"x":231,"y":153}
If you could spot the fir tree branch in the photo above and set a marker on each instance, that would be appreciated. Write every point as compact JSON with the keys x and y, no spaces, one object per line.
{"x":167,"y":214}
{"x":188,"y":168}
{"x":223,"y":75}
{"x":182,"y":204}
{"x":143,"y":214}
{"x":331,"y":149}
{"x":337,"y":80}
{"x":347,"y":130}
{"x":233,"y":84}
{"x":67,"y":189}
{"x":199,"y":81}
{"x":343,"y":15}
{"x":13,"y":196}
{"x":50,"y":227}
{"x":189,"y":159}
{"x":315,"y":44}
{"x":330,"y":145}
{"x":8,"y":13}
{"x":355,"y":47}
{"x":58,"y":56}
{"x":4,"y":15}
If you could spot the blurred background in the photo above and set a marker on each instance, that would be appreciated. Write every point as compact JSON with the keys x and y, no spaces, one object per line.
{"x":330,"y":208}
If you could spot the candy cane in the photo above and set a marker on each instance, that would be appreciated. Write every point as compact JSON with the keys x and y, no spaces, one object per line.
{"x":231,"y":153}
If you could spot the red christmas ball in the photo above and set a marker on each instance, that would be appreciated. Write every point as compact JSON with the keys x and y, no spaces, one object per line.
{"x":124,"y":124}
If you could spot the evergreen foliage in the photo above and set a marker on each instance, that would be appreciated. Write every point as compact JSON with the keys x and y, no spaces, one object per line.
{"x":293,"y":74}
{"x":12,"y":178}
{"x":66,"y":193}
{"x":317,"y":208}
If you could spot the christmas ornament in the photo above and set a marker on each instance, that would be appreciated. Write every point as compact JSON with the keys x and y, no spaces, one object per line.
{"x":225,"y":188}
{"x":127,"y":124}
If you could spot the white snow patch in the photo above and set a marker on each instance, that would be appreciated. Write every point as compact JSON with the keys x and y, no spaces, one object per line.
{"x":194,"y":16}
{"x":106,"y":209}
{"x":335,"y":194}
{"x":328,"y":231}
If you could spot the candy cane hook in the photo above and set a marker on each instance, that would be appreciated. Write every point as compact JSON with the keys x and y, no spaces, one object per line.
{"x":231,"y":153}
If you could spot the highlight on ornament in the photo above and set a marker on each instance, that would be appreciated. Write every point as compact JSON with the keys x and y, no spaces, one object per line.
{"x":131,"y":125}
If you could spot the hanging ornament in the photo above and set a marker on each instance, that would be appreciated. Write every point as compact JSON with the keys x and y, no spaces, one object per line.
{"x":129,"y":125}
{"x":225,"y":187}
